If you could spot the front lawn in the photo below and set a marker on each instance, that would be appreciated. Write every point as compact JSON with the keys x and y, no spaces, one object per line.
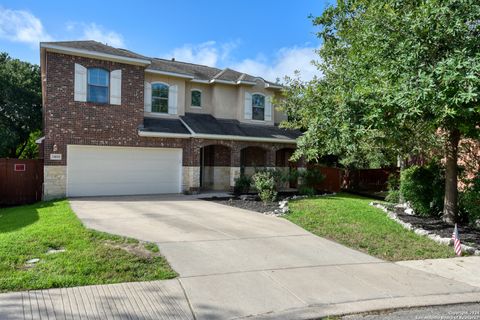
{"x":351,"y":221}
{"x":90,"y":257}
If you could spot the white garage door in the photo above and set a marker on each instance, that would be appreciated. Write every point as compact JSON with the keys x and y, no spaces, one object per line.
{"x":97,"y":171}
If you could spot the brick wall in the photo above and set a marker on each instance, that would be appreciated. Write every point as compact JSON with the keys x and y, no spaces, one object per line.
{"x":84,"y":123}
{"x":70,"y":122}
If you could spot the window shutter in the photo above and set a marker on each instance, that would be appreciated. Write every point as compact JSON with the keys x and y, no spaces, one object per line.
{"x":116,"y":87}
{"x":248,"y":106}
{"x":80,"y":83}
{"x":172,"y":99}
{"x":268,"y":108}
{"x":147,"y":97}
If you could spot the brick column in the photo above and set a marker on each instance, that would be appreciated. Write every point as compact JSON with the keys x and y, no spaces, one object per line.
{"x":191,"y":167}
{"x":234,"y":164}
{"x":270,"y":158}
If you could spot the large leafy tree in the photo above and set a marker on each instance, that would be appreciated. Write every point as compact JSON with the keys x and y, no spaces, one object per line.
{"x":20,"y":105}
{"x":399,"y":77}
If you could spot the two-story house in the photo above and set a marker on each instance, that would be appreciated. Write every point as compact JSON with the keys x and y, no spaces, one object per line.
{"x":119,"y":123}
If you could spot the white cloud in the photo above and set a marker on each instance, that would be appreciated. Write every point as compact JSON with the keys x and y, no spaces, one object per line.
{"x":208,"y":53}
{"x":22,"y":26}
{"x":92,"y":31}
{"x":285,"y":63}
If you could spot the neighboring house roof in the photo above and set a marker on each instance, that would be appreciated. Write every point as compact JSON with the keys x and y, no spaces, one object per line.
{"x":190,"y":70}
{"x":207,"y":126}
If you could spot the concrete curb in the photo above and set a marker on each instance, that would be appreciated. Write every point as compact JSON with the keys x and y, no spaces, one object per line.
{"x":341,"y":309}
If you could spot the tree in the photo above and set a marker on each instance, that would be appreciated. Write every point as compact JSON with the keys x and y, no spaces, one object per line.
{"x":20,"y":104}
{"x":398,"y":76}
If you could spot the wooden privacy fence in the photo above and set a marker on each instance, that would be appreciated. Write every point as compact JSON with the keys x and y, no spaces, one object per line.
{"x":368,"y":179}
{"x":20,"y":181}
{"x":332,"y":181}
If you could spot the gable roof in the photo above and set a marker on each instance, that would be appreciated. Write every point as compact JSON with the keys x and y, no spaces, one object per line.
{"x":173,"y":67}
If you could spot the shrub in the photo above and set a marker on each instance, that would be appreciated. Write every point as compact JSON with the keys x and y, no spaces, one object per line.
{"x":311,"y":177}
{"x":424,"y":187}
{"x":470,"y":201}
{"x":264,"y":182}
{"x":242,"y":184}
{"x":306,"y":191}
{"x":393,"y":196}
{"x":393,"y":185}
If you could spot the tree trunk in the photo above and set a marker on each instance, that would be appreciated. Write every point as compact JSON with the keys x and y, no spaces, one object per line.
{"x":450,"y":206}
{"x":401,"y":165}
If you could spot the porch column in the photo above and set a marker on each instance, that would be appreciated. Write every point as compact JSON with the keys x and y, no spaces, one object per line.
{"x":234,"y":164}
{"x":191,"y":167}
{"x":270,"y":158}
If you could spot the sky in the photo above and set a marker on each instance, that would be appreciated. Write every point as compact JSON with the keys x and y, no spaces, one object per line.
{"x":263,"y":38}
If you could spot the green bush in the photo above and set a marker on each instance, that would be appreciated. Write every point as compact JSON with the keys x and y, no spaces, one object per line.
{"x":470,"y":201}
{"x":393,"y":185}
{"x":306,"y":191}
{"x":242,"y":184}
{"x":311,"y":177}
{"x":393,"y":196}
{"x":264,"y":182}
{"x":424,"y":187}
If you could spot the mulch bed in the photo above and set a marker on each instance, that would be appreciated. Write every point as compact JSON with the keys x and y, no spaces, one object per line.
{"x":254,"y":205}
{"x":468,"y":235}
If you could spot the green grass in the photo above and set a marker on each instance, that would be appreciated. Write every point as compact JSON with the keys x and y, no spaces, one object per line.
{"x":91,"y":257}
{"x":351,"y":221}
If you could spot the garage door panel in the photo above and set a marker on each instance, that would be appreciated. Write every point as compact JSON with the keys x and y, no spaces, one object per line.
{"x":95,"y":170}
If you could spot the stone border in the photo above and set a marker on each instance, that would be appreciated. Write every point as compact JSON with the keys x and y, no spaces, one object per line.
{"x":420,"y":231}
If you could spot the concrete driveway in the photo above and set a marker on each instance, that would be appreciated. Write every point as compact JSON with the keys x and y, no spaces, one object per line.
{"x":236,"y":263}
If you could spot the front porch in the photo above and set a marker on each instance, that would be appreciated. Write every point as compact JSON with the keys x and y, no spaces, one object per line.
{"x":215,"y":165}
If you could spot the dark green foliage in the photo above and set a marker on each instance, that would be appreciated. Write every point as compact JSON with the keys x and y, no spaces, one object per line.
{"x":20,"y":104}
{"x":306,"y":191}
{"x":242,"y":184}
{"x":394,"y":72}
{"x":393,"y":185}
{"x":393,"y":196}
{"x":264,"y":182}
{"x":470,"y":201}
{"x":423,"y":188}
{"x":311,"y":177}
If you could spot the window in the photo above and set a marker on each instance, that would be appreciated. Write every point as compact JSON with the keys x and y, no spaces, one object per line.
{"x":159,"y":98}
{"x":196,"y":98}
{"x":258,"y":107}
{"x":98,"y":85}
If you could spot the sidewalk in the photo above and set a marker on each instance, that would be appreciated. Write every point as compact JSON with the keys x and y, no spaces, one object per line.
{"x":297,"y":293}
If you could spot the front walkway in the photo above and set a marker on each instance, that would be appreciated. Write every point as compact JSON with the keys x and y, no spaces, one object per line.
{"x":233,"y":264}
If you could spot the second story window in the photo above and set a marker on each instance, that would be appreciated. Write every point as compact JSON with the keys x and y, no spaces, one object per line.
{"x":98,"y":85}
{"x":258,"y":107}
{"x":196,"y":98}
{"x":159,"y":98}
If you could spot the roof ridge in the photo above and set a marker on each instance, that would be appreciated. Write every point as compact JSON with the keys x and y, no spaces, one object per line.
{"x":184,"y":62}
{"x":219,"y":74}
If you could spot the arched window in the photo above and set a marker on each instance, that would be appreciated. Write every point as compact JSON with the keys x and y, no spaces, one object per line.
{"x":258,"y":107}
{"x":196,"y":98}
{"x":159,"y":97}
{"x":98,"y":85}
